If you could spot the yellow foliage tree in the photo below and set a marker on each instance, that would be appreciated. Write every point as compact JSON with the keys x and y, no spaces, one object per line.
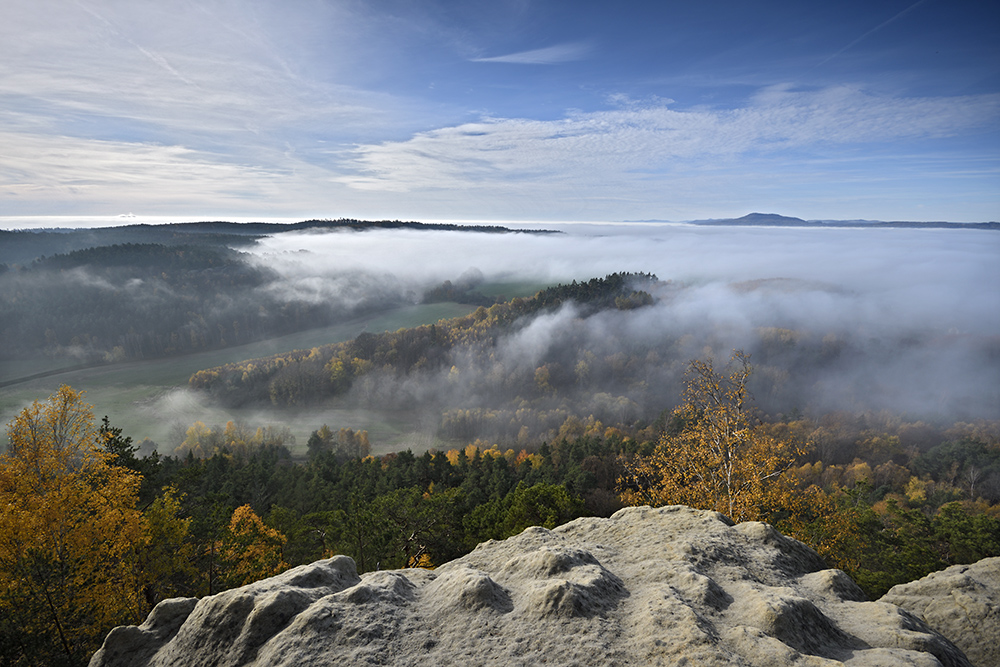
{"x":250,"y":550}
{"x":721,"y":459}
{"x":69,"y":532}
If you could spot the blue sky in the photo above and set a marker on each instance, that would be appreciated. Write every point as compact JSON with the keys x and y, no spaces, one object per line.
{"x":500,"y":110}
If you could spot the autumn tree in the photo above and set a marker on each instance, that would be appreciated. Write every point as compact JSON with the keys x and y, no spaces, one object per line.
{"x":352,"y":444}
{"x":69,"y":530}
{"x":720,"y":458}
{"x":250,"y":550}
{"x":345,"y":444}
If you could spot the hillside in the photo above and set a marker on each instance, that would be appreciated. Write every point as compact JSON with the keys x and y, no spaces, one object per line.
{"x":775,"y":220}
{"x":304,"y":376}
{"x":21,"y":247}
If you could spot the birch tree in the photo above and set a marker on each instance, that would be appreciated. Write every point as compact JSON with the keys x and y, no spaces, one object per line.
{"x":720,"y":458}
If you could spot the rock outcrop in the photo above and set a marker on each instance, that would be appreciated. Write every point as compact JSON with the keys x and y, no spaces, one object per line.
{"x":668,"y":586}
{"x":962,"y":603}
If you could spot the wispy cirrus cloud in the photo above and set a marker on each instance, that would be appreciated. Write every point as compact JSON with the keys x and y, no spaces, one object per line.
{"x":382,"y":113}
{"x":550,"y":55}
{"x":116,"y":176}
{"x":614,"y":144}
{"x":208,"y":79}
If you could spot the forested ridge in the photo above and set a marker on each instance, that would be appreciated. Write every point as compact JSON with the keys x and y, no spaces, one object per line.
{"x":308,"y":376}
{"x":141,"y":301}
{"x":21,"y":247}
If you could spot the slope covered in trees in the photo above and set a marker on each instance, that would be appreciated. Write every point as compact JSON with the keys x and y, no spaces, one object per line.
{"x":140,"y":291}
{"x":142,"y":301}
{"x":309,"y":376}
{"x":908,"y":498}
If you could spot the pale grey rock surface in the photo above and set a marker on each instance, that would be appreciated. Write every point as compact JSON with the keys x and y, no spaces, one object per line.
{"x":667,"y":586}
{"x":962,"y":603}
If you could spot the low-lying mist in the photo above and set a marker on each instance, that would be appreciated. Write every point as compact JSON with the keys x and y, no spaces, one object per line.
{"x":904,"y":320}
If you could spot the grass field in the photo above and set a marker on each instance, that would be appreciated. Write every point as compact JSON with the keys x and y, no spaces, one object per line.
{"x":150,"y":399}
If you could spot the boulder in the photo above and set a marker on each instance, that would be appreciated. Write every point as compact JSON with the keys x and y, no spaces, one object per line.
{"x":666,"y":586}
{"x":962,"y":603}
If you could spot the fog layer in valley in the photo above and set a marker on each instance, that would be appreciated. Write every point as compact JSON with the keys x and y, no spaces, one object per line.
{"x":905,"y":320}
{"x":914,"y":314}
{"x":936,"y":279}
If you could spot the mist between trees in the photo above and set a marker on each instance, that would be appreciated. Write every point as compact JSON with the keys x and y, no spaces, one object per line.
{"x":143,"y":301}
{"x":913,"y":498}
{"x":858,"y":320}
{"x":528,"y":370}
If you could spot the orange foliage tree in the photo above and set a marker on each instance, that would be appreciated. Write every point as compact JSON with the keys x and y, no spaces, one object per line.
{"x":69,"y":533}
{"x":721,"y":458}
{"x":250,"y":550}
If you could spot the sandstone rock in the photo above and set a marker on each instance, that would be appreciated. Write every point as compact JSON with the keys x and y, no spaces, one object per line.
{"x":962,"y":603}
{"x":667,"y":586}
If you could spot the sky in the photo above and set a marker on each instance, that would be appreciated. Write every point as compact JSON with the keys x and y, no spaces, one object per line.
{"x":506,"y":110}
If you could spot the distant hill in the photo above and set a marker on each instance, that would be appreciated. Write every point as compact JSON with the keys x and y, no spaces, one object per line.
{"x":23,"y":246}
{"x":256,"y":228}
{"x":775,"y":220}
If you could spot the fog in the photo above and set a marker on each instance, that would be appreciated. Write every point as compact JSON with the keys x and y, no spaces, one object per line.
{"x":903,"y":320}
{"x":914,"y":314}
{"x":876,"y":278}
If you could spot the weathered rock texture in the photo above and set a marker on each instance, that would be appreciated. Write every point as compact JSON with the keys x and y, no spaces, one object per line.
{"x":669,"y":586}
{"x":962,"y":603}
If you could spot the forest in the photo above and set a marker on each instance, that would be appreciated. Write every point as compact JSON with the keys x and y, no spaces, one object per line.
{"x":586,"y":397}
{"x":885,"y":500}
{"x":174,"y":300}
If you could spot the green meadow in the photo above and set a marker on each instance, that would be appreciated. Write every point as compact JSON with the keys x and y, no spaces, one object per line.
{"x":148,"y":399}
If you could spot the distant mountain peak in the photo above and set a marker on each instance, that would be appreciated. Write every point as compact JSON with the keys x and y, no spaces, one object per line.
{"x":768,"y":219}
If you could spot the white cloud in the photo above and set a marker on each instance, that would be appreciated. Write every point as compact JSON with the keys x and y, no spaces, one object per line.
{"x":550,"y":55}
{"x":818,"y":153}
{"x":116,"y":176}
{"x":611,"y":145}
